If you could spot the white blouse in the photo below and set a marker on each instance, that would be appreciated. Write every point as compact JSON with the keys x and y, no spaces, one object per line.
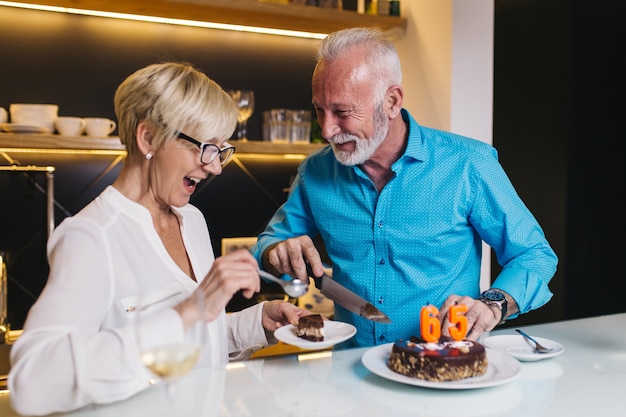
{"x":79,"y":341}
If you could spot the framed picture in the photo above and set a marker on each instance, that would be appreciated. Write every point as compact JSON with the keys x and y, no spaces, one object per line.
{"x":231,"y":244}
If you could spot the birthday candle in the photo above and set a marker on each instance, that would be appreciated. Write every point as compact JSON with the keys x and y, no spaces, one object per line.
{"x":458,"y":330}
{"x":430,"y":326}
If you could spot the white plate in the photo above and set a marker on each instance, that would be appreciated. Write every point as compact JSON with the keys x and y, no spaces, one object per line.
{"x":522,"y":349}
{"x":24,"y":128}
{"x":501,"y":369}
{"x":334,"y":332}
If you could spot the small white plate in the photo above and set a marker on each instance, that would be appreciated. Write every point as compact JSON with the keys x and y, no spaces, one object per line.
{"x":501,"y":369}
{"x":334,"y":332}
{"x":522,"y":349}
{"x":24,"y":128}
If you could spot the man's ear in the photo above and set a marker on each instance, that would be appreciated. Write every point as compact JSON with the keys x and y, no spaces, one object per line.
{"x":393,"y":101}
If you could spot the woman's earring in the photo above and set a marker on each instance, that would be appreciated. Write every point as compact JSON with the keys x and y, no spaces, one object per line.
{"x":149,"y":155}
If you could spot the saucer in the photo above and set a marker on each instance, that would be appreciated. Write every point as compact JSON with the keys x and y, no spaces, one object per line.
{"x":522,"y":349}
{"x":24,"y":128}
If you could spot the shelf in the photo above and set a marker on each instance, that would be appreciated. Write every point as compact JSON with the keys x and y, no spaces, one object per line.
{"x":243,"y":12}
{"x":112,"y":144}
{"x":57,"y":142}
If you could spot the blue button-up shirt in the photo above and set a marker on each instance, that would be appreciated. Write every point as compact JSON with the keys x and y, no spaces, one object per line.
{"x":419,"y":239}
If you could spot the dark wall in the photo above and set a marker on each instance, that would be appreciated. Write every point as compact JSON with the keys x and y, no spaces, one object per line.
{"x":23,"y":229}
{"x":78,"y":61}
{"x":595,"y":221}
{"x":558,"y":113}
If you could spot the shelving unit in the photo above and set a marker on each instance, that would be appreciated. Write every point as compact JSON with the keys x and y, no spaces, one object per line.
{"x":112,"y":144}
{"x":256,"y":13}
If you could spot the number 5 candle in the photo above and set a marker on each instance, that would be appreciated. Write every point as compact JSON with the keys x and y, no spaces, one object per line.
{"x":458,"y":330}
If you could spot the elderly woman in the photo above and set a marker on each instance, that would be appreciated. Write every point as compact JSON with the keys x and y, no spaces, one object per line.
{"x":141,"y":238}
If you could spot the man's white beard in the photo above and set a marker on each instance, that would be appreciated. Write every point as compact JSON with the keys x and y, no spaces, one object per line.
{"x":364,"y":148}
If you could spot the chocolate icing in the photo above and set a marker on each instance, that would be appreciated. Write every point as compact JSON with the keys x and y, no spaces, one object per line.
{"x":444,"y":361}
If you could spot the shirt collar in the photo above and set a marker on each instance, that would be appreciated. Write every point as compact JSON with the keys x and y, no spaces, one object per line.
{"x":133,"y":208}
{"x":415,"y":143}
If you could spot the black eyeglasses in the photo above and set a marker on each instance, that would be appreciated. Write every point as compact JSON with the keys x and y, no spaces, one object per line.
{"x":210,"y":151}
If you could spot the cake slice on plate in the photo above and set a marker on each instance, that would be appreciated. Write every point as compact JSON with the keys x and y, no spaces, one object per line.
{"x":311,"y":328}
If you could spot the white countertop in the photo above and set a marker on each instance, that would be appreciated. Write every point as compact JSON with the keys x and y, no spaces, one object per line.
{"x":588,"y":379}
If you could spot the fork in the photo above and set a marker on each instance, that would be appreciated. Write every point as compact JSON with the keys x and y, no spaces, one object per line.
{"x":538,"y":347}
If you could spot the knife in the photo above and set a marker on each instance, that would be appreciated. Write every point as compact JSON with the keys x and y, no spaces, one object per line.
{"x":346,"y":298}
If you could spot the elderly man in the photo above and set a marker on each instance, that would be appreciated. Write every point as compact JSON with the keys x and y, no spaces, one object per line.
{"x":402,"y":209}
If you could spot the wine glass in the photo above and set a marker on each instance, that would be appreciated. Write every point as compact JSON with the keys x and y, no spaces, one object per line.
{"x":168,"y":361}
{"x":245,"y":103}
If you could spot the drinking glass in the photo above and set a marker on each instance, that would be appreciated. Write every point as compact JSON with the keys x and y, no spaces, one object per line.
{"x":169,"y":361}
{"x":245,"y":103}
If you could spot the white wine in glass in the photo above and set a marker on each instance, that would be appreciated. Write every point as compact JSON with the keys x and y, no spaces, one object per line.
{"x":170,"y":361}
{"x":245,"y":103}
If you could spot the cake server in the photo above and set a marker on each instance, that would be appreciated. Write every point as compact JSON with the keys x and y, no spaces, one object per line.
{"x":346,"y":298}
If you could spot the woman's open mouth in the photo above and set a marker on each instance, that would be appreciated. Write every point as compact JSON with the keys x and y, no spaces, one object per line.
{"x":191,"y":182}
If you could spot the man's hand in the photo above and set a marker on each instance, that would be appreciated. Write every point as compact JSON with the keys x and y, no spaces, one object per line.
{"x":291,"y":256}
{"x":480,"y":317}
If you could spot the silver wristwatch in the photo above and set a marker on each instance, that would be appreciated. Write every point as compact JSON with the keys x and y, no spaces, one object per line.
{"x":495,"y":298}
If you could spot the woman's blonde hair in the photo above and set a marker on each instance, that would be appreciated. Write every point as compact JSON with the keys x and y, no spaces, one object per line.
{"x":172,"y":97}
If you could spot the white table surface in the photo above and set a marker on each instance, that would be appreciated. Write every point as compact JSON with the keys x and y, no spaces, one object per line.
{"x":588,"y":379}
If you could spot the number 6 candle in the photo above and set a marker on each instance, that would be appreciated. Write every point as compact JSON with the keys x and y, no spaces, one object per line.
{"x":430,"y":326}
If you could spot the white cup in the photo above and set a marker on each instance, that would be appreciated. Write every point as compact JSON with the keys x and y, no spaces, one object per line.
{"x":70,"y":126}
{"x":4,"y":116}
{"x":98,"y":126}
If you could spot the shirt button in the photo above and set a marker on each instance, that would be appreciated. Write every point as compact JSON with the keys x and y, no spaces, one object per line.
{"x":381,"y":338}
{"x":381,"y":262}
{"x":380,"y":224}
{"x":380,"y":300}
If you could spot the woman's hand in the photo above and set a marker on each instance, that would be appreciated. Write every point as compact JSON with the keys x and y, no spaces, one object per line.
{"x":237,"y":271}
{"x":278,"y":313}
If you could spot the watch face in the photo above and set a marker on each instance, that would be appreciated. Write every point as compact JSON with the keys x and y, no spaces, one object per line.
{"x":493,"y":295}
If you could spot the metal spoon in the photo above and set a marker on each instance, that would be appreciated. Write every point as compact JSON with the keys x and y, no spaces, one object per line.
{"x":293,"y":288}
{"x":538,"y":347}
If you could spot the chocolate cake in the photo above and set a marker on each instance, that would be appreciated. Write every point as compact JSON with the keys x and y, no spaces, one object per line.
{"x":447,"y":360}
{"x":311,"y":328}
